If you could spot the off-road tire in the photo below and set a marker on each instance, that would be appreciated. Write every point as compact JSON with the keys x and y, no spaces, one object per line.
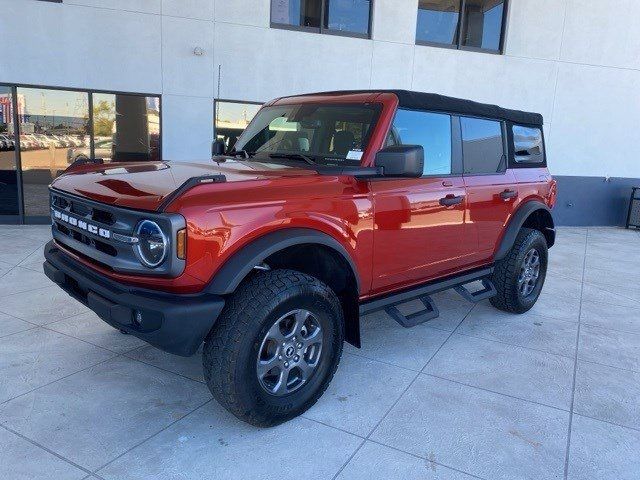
{"x":232,"y":347}
{"x":506,"y":273}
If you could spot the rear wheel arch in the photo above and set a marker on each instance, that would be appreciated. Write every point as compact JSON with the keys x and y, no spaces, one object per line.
{"x":532,"y":214}
{"x":305,"y":250}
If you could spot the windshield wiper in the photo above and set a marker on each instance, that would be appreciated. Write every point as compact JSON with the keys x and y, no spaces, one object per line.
{"x":293,"y":156}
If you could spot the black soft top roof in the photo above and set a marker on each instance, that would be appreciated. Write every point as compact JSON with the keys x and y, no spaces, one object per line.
{"x":441,"y":103}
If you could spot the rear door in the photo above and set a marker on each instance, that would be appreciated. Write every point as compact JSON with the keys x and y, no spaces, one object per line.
{"x":420,"y":222}
{"x":490,"y":186}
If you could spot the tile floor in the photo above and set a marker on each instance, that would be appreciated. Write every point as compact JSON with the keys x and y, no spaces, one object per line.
{"x":476,"y":393}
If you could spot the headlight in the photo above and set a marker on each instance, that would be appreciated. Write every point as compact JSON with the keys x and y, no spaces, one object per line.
{"x":152,"y":243}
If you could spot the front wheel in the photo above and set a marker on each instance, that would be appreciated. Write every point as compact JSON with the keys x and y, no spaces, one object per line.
{"x":519,"y":276}
{"x":275,"y":347}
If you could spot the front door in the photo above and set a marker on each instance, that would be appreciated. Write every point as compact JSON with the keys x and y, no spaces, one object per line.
{"x":419,"y":230}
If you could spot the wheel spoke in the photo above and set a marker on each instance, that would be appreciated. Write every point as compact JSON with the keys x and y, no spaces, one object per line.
{"x":300,"y":317}
{"x":280,"y":388}
{"x":275,"y":334}
{"x":265,"y":366}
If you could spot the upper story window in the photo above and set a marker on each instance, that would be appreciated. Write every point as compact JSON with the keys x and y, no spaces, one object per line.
{"x":464,"y":24}
{"x":432,"y":131}
{"x":340,"y":17}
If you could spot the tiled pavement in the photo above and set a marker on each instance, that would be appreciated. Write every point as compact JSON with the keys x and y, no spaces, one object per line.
{"x":476,"y":393}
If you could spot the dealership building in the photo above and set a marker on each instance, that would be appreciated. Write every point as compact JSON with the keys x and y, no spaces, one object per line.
{"x":130,"y":80}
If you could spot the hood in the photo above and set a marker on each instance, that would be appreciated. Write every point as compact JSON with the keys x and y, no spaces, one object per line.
{"x":144,"y":186}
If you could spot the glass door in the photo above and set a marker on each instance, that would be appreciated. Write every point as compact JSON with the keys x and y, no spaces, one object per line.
{"x":9,"y":193}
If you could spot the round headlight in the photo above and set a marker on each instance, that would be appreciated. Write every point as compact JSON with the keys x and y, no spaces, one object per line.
{"x":152,"y":243}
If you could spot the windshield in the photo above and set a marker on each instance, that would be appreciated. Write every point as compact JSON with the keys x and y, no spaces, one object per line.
{"x":326,"y":133}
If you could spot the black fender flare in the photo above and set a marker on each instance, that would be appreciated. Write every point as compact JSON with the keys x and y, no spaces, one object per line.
{"x":517,"y":221}
{"x":240,"y":264}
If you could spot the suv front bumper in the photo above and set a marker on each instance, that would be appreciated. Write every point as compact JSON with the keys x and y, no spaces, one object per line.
{"x":174,"y":323}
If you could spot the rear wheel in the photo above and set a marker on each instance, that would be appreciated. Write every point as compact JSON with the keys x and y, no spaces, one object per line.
{"x":275,"y":347}
{"x":519,"y":277}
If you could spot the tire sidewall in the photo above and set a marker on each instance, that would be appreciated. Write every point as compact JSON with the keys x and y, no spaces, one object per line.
{"x":329,"y":315}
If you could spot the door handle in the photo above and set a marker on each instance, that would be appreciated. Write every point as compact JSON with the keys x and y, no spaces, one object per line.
{"x":451,"y":200}
{"x":507,"y":194}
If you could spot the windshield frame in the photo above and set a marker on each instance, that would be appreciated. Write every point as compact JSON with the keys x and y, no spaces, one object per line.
{"x":321,"y":159}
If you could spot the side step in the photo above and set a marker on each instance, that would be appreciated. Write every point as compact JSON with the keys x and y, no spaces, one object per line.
{"x":390,"y":303}
{"x":488,"y":290}
{"x":407,"y":321}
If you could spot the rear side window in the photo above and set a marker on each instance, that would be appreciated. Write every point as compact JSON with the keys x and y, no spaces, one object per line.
{"x":432,"y":131}
{"x":482,"y":146}
{"x":528,"y":146}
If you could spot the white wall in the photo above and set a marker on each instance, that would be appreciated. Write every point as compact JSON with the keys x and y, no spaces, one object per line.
{"x":576,"y":62}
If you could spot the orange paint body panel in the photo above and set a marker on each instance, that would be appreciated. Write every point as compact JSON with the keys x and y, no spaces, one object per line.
{"x":396,"y":231}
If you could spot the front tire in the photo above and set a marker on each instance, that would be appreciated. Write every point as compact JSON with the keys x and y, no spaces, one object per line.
{"x":519,"y":277}
{"x":275,"y":347}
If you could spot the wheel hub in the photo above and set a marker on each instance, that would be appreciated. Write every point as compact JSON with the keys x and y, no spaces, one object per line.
{"x":289,"y":353}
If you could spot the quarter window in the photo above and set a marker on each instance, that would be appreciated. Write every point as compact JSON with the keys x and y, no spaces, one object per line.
{"x":528,"y":144}
{"x":432,"y":131}
{"x":348,"y":17}
{"x":482,"y":146}
{"x":464,"y":24}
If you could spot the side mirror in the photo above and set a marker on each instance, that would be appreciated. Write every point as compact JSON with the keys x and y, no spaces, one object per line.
{"x":217,"y":148}
{"x":401,"y":161}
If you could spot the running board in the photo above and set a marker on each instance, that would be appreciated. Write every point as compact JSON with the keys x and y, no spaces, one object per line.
{"x":390,"y":303}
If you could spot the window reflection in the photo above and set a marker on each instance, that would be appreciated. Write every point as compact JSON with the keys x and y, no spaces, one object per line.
{"x":126,"y":128}
{"x":51,"y":123}
{"x":438,"y":21}
{"x":231,"y":119}
{"x":302,"y":13}
{"x":348,"y":15}
{"x":483,"y":24}
{"x":8,"y":174}
{"x":480,"y":27}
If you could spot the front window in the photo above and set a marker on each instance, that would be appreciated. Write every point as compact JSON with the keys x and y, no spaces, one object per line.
{"x":324,"y":133}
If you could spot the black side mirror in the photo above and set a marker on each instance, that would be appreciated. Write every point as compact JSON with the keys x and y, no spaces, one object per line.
{"x":217,"y":148}
{"x":401,"y":161}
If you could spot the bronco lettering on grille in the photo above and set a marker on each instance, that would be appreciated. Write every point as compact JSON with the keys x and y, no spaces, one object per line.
{"x":81,"y":224}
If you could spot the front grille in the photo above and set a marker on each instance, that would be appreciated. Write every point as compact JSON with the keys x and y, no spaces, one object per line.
{"x":88,"y":227}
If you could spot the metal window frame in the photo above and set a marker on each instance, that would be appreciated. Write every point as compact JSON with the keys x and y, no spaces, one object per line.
{"x":321,"y":29}
{"x":461,"y":24}
{"x":22,"y":218}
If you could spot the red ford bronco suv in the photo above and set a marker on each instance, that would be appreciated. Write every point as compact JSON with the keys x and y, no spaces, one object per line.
{"x":329,"y":206}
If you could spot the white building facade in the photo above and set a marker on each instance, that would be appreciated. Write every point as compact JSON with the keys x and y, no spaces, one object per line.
{"x":577,"y":63}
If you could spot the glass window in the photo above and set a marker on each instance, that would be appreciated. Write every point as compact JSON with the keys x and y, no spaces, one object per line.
{"x":231,"y":119}
{"x":438,"y":21}
{"x":301,"y":13}
{"x":329,"y":134}
{"x":482,"y":146}
{"x":52,"y":124}
{"x":528,"y":144}
{"x":126,"y":128}
{"x":482,"y":24}
{"x":479,"y":26}
{"x":348,"y":15}
{"x":8,"y":171}
{"x":432,"y":131}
